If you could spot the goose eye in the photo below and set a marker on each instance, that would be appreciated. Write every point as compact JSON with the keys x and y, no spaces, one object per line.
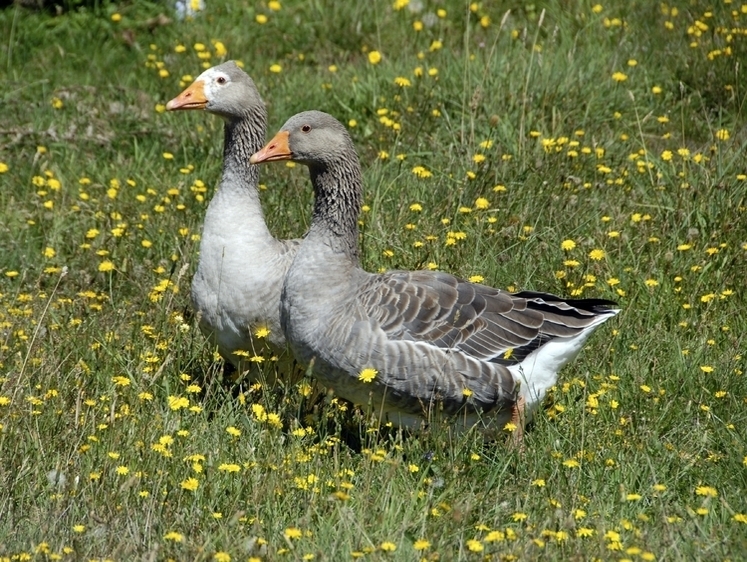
{"x":221,"y":80}
{"x":306,"y":128}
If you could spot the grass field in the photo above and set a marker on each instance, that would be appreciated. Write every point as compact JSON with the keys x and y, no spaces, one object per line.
{"x":579,"y":148}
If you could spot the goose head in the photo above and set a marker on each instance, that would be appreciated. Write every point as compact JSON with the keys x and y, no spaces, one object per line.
{"x":225,"y":90}
{"x":313,"y":138}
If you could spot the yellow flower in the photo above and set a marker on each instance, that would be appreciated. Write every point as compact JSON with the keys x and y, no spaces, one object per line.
{"x":105,"y":266}
{"x":722,"y":134}
{"x":79,"y":528}
{"x":3,"y":167}
{"x":116,"y":17}
{"x":222,"y":557}
{"x":177,"y":402}
{"x":261,"y":19}
{"x":402,"y":82}
{"x":293,"y":533}
{"x":261,"y":332}
{"x":481,"y":203}
{"x":190,"y":484}
{"x":475,"y":546}
{"x":619,"y":77}
{"x":367,"y":375}
{"x":421,"y":544}
{"x":231,"y":430}
{"x":567,"y":245}
{"x":49,"y":252}
{"x":173,"y":536}
{"x":220,"y":49}
{"x":421,"y":172}
{"x":374,"y":57}
{"x":276,"y":68}
{"x":388,"y":546}
{"x":708,"y":491}
{"x":597,"y":254}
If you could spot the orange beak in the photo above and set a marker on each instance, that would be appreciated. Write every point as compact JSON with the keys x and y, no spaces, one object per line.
{"x":276,"y":149}
{"x":191,"y":98}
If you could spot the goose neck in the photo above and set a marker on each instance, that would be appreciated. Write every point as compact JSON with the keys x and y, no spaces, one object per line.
{"x":338,"y":195}
{"x":242,"y":138}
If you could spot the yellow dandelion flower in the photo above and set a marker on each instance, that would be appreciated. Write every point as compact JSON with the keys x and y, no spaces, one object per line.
{"x":421,"y":544}
{"x":177,"y":402}
{"x":173,"y":536}
{"x":388,"y":546}
{"x":421,"y":172}
{"x":367,"y":375}
{"x":276,"y":68}
{"x":707,"y":491}
{"x":261,"y":332}
{"x":722,"y":134}
{"x":597,"y":254}
{"x":293,"y":533}
{"x":619,"y":77}
{"x":190,"y":484}
{"x":374,"y":57}
{"x":567,"y":245}
{"x":474,"y":545}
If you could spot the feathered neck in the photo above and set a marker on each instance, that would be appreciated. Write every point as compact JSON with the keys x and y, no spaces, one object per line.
{"x":338,"y":194}
{"x":243,"y":137}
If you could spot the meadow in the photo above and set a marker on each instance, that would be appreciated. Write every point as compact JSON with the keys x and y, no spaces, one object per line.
{"x":581,"y":148}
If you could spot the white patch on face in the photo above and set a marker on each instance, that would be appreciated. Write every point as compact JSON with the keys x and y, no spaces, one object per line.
{"x":210,"y":79}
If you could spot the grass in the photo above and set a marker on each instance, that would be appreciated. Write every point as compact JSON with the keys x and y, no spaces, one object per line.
{"x":619,"y":128}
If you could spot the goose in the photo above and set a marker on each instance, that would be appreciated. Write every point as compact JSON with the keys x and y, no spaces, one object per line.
{"x":236,"y":288}
{"x":427,"y":342}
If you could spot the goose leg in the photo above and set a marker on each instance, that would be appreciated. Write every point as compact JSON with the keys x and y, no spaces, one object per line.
{"x":517,"y":419}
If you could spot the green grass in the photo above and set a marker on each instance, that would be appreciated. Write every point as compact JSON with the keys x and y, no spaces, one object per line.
{"x":641,"y":450}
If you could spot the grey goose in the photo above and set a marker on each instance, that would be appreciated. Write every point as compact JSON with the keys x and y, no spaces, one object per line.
{"x":236,"y":288}
{"x":427,"y":342}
